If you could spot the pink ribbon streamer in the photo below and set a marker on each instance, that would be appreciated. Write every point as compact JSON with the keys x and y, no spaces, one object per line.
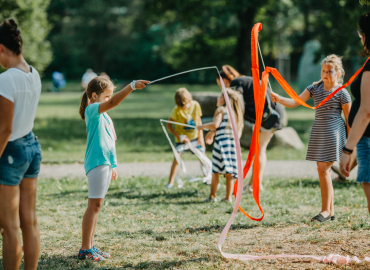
{"x":331,"y":258}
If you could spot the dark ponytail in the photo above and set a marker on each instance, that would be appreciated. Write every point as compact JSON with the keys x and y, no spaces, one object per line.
{"x":83,"y":105}
{"x":96,"y":85}
{"x":10,"y":36}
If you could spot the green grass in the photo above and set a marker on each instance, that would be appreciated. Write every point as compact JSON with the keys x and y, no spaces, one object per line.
{"x":144,"y":226}
{"x":62,"y":133}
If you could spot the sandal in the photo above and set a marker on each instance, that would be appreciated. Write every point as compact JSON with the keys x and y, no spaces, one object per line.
{"x":227,"y":200}
{"x":320,"y":218}
{"x":333,"y":218}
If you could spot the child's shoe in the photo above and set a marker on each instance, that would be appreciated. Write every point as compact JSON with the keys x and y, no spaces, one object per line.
{"x":211,"y":200}
{"x":90,"y":254}
{"x":101,"y":253}
{"x":169,"y":186}
{"x":227,"y":200}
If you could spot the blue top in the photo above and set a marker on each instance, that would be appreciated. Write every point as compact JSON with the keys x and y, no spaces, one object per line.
{"x":101,"y":149}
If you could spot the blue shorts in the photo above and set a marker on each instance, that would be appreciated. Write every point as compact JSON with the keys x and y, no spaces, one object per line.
{"x":363,"y":160}
{"x":181,"y":147}
{"x":20,"y":159}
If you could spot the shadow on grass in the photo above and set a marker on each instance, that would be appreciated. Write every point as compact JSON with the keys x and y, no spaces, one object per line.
{"x":151,"y":196}
{"x":71,"y":262}
{"x":166,"y":264}
{"x":309,"y":183}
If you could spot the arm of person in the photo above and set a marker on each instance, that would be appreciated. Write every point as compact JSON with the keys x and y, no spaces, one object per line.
{"x":6,"y":122}
{"x":171,"y":129}
{"x":120,"y":96}
{"x":346,"y":109}
{"x":360,"y":123}
{"x":288,"y":102}
{"x":217,"y":119}
{"x":200,"y":135}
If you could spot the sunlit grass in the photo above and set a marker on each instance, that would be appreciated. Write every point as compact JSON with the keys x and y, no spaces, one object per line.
{"x":144,"y":225}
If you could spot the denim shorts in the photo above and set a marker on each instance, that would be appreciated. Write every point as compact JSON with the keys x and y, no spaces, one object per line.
{"x":363,"y":160}
{"x":20,"y":159}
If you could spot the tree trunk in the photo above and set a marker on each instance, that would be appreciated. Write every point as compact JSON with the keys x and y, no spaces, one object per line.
{"x":243,"y":48}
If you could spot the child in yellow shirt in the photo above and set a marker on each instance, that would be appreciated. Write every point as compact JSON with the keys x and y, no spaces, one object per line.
{"x":186,"y":111}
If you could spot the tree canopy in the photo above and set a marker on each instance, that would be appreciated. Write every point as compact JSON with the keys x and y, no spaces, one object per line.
{"x":32,"y":20}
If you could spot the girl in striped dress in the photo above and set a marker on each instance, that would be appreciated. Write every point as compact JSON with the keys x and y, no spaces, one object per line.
{"x":224,"y":152}
{"x":328,"y":134}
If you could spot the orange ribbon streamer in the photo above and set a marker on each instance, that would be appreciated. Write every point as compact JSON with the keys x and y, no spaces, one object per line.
{"x":259,"y":92}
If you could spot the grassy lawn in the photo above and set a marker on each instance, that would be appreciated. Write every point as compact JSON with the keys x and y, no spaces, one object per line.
{"x":62,"y":133}
{"x":144,"y":226}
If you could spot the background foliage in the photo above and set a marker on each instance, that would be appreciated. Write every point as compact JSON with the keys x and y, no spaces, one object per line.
{"x":149,"y":39}
{"x":32,"y":20}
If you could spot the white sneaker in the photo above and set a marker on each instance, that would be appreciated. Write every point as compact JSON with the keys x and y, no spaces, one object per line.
{"x":228,"y":201}
{"x":209,"y":200}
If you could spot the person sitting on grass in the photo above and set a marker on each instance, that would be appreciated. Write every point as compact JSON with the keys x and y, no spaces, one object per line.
{"x":100,"y":157}
{"x":186,"y":111}
{"x":328,"y":134}
{"x":224,"y":151}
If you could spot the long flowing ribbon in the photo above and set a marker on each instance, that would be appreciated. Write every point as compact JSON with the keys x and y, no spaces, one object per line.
{"x":204,"y":160}
{"x":259,"y":97}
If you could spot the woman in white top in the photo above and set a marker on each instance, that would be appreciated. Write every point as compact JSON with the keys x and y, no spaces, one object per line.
{"x":20,"y":152}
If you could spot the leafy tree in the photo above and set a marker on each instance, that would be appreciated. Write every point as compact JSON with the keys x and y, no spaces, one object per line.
{"x":101,"y":34}
{"x":217,"y":29}
{"x":32,"y":21}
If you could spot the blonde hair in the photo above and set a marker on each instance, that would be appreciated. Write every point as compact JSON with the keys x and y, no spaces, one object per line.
{"x":336,"y":62}
{"x":235,"y":103}
{"x":182,"y":97}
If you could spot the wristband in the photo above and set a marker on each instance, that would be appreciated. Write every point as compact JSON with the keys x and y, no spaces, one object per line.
{"x":346,"y":150}
{"x":132,"y":84}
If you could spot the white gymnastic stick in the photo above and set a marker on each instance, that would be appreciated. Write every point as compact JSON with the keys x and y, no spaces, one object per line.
{"x":180,"y":124}
{"x":188,"y":71}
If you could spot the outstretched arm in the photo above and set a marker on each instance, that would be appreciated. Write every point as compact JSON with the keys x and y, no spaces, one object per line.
{"x":217,"y":119}
{"x":120,"y":96}
{"x":288,"y":102}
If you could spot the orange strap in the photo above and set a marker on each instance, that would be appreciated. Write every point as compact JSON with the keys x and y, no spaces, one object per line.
{"x":259,"y":99}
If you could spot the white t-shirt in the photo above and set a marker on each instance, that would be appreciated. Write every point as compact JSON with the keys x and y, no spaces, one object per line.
{"x":23,"y":89}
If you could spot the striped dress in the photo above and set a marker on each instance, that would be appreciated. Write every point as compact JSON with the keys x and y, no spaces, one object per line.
{"x":328,"y":134}
{"x":224,"y":151}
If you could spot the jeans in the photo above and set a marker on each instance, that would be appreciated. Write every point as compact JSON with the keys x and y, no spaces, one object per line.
{"x":21,"y":159}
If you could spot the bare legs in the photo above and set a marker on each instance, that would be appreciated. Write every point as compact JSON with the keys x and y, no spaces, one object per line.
{"x":327,"y":191}
{"x":229,"y":185}
{"x":10,"y":224}
{"x":30,"y":229}
{"x":173,"y":171}
{"x":366,"y":188}
{"x":265,"y":138}
{"x":89,"y":222}
{"x":18,"y":210}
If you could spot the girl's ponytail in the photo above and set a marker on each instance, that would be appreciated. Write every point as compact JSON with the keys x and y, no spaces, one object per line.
{"x":96,"y":85}
{"x":83,"y":105}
